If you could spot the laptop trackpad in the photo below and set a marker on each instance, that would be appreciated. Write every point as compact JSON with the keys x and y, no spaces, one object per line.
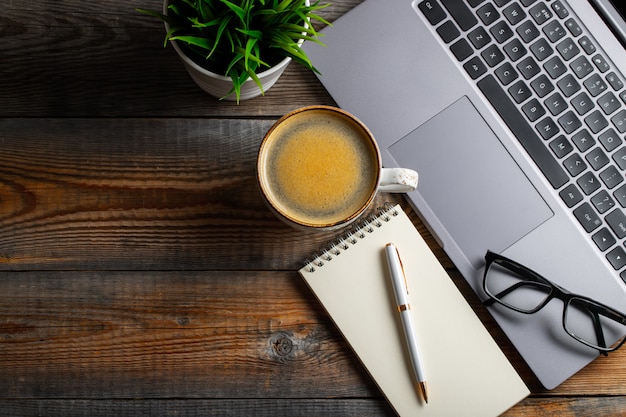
{"x":470,"y":182}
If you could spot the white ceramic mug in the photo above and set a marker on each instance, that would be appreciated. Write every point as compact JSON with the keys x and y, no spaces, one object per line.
{"x":319,"y":167}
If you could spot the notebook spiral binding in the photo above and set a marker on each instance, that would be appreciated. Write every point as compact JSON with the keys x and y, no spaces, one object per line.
{"x":352,"y":236}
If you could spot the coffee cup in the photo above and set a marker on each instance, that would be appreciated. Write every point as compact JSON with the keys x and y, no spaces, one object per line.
{"x":319,"y":168}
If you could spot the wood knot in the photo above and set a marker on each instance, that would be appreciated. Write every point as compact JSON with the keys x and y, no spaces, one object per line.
{"x":282,"y":345}
{"x":183,"y":321}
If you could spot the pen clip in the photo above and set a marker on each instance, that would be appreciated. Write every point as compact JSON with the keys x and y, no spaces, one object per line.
{"x":406,"y":284}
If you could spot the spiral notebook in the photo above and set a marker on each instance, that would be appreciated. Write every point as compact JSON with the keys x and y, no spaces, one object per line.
{"x":466,"y":372}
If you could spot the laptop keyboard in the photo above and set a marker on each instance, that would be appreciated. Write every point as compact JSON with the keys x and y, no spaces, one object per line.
{"x":558,"y":93}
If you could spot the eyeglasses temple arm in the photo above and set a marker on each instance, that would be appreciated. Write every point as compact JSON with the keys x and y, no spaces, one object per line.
{"x":599,"y":333}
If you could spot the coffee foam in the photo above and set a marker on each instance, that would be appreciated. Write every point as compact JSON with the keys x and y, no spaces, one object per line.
{"x":326,"y":165}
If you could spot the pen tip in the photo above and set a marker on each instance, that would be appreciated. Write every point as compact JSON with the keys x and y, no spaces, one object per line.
{"x":424,"y":391}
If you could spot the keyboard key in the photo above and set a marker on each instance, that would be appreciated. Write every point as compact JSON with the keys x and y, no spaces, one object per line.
{"x":492,"y":55}
{"x":547,"y":128}
{"x":587,"y":45}
{"x":461,"y":49}
{"x":501,"y":31}
{"x":475,"y":68}
{"x":533,"y":110}
{"x":568,"y":49}
{"x":583,"y":140}
{"x":617,"y":222}
{"x":555,"y":67}
{"x":527,"y":31}
{"x":501,"y":3}
{"x":582,"y":103}
{"x":615,"y":81}
{"x":573,"y":27}
{"x":603,"y":239}
{"x":506,"y":73}
{"x":540,"y":13}
{"x":602,"y":202}
{"x":568,"y":85}
{"x":461,"y":14}
{"x":611,"y":177}
{"x":488,"y":14}
{"x":523,"y":131}
{"x":528,"y":67}
{"x":475,"y":3}
{"x":571,"y":195}
{"x":448,"y":31}
{"x":569,"y":122}
{"x":587,"y":217}
{"x":559,"y":9}
{"x":479,"y":37}
{"x":619,"y":120}
{"x":581,"y":67}
{"x":596,"y":121}
{"x":561,"y":146}
{"x":620,"y":195}
{"x":519,"y":91}
{"x":608,"y":103}
{"x":556,"y":104}
{"x":514,"y":13}
{"x":432,"y":11}
{"x":541,"y":49}
{"x":597,"y":158}
{"x":617,"y":258}
{"x":588,"y":183}
{"x":601,"y":63}
{"x":595,"y":85}
{"x":542,"y":86}
{"x":554,"y":31}
{"x":574,"y":165}
{"x":610,"y":140}
{"x":620,"y":158}
{"x":515,"y":49}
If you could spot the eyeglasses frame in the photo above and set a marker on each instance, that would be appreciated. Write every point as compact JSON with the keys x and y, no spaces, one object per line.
{"x":555,"y":291}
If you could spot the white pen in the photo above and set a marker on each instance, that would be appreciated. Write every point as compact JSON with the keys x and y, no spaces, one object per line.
{"x":398,"y":279}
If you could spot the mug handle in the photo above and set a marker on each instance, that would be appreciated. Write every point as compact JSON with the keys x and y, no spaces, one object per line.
{"x":397,"y":180}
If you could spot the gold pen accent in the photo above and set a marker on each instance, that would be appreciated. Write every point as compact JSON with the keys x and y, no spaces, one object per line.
{"x":404,"y":307}
{"x":423,"y":389}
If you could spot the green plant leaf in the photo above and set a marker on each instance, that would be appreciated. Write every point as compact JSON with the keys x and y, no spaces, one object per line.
{"x":194,"y":40}
{"x":241,"y":13}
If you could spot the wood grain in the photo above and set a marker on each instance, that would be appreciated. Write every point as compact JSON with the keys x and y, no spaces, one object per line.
{"x":139,"y":194}
{"x":106,"y":59}
{"x":170,"y":334}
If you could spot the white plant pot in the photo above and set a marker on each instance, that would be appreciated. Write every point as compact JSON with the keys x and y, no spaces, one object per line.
{"x":219,"y":85}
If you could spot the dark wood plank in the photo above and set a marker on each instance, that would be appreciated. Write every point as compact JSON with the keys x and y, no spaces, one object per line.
{"x":139,"y":194}
{"x":69,"y":59}
{"x":170,"y":335}
{"x":570,"y":407}
{"x":200,"y":407}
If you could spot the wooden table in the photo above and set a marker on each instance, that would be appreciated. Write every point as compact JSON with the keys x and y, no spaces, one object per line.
{"x":140,"y":272}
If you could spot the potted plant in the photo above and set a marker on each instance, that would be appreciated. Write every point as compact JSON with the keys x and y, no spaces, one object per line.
{"x":237,"y":49}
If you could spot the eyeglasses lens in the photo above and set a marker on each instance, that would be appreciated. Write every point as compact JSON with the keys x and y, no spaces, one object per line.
{"x":584,"y":318}
{"x":518,"y":292}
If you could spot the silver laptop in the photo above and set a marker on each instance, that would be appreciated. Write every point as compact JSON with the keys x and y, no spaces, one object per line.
{"x":512,"y":112}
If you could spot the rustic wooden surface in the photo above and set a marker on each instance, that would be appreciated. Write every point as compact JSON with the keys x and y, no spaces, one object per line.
{"x":140,"y":273}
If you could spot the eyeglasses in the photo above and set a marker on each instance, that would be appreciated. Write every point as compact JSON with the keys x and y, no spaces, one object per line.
{"x":523,"y":290}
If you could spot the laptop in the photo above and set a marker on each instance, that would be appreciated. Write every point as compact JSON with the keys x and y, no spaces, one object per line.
{"x":513,"y":113}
